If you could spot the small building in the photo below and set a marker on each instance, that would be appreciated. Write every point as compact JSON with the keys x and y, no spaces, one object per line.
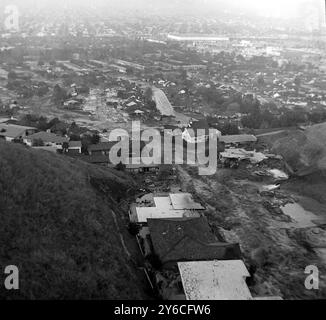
{"x":11,"y":132}
{"x":215,"y":280}
{"x":188,"y":239}
{"x":49,"y":139}
{"x":75,"y":147}
{"x":238,"y":140}
{"x":142,"y":168}
{"x":131,"y":104}
{"x":160,"y":208}
{"x":236,"y":154}
{"x":102,"y":148}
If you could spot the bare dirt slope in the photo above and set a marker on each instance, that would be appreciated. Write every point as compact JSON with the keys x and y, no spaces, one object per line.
{"x":305,"y":150}
{"x":279,"y":253}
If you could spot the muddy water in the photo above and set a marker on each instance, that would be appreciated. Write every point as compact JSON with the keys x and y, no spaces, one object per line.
{"x":302,"y":217}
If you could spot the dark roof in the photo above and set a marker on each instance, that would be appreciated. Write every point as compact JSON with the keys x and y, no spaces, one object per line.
{"x":75,"y":144}
{"x":12,"y":130}
{"x":102,"y":146}
{"x":188,"y":240}
{"x":48,"y":137}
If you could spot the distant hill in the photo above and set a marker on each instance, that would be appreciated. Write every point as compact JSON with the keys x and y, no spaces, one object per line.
{"x":59,"y":230}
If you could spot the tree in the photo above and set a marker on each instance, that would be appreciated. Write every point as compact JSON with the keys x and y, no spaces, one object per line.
{"x":260,"y":81}
{"x":229,"y":128}
{"x":65,"y":147}
{"x":59,"y":94}
{"x":95,"y":139}
{"x":148,"y":95}
{"x":12,"y":75}
{"x":38,"y":143}
{"x":133,"y":228}
{"x":297,"y":82}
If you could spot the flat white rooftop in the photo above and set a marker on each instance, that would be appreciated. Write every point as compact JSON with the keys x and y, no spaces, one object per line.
{"x":215,"y":280}
{"x":184,"y":201}
{"x":176,"y":205}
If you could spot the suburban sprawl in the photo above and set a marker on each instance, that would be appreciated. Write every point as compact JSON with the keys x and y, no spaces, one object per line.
{"x":245,"y":232}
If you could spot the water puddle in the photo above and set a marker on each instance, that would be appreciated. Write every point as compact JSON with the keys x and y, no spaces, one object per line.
{"x":302,"y":217}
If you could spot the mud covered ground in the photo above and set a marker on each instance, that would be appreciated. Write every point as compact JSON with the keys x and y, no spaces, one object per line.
{"x":271,"y":243}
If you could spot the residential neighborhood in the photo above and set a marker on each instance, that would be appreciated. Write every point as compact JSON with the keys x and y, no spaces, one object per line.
{"x":163,"y":151}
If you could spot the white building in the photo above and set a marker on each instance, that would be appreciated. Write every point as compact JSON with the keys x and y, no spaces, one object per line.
{"x":180,"y":205}
{"x":215,"y":280}
{"x":49,"y":139}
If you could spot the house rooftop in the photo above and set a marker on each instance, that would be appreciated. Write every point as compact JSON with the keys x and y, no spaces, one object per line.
{"x":215,"y":280}
{"x":102,"y":146}
{"x":238,"y":138}
{"x":162,"y":209}
{"x":13,"y":130}
{"x":75,"y":144}
{"x":184,"y":201}
{"x":188,"y":239}
{"x":48,"y":137}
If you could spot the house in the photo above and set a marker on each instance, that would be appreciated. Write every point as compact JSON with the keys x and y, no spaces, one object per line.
{"x":238,"y":139}
{"x":142,"y":168}
{"x":11,"y":132}
{"x":131,"y":104}
{"x":215,"y":280}
{"x":235,"y":154}
{"x":4,"y":120}
{"x":75,"y":147}
{"x":160,"y":208}
{"x":102,"y":148}
{"x":188,"y":239}
{"x":49,"y":139}
{"x":138,"y":113}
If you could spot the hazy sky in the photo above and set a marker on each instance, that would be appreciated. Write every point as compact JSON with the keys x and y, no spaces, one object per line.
{"x":273,"y":8}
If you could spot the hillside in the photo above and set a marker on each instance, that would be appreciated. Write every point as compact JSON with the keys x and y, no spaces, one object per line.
{"x":305,"y":151}
{"x":59,"y":230}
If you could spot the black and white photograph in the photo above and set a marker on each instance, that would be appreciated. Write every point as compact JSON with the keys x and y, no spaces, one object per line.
{"x":168,"y":151}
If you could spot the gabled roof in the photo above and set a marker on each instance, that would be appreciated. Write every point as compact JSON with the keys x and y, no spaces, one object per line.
{"x":187,"y":240}
{"x":215,"y":280}
{"x":75,"y":144}
{"x":102,"y":146}
{"x":13,"y":130}
{"x":48,"y":137}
